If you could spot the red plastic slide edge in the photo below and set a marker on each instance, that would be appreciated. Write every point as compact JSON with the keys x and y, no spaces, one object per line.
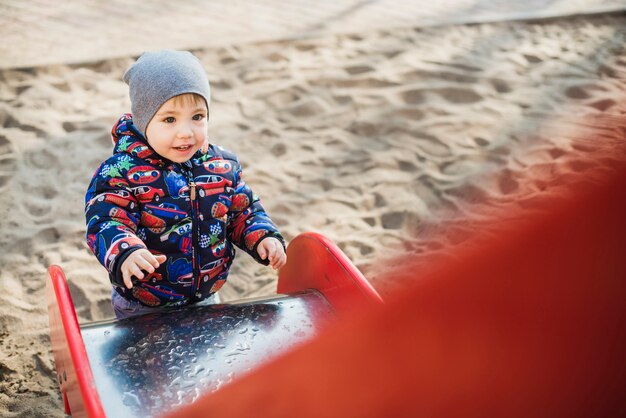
{"x":315,"y":262}
{"x":73,"y":370}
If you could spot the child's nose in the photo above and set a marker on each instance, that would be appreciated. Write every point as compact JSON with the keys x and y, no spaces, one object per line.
{"x":185,"y":131}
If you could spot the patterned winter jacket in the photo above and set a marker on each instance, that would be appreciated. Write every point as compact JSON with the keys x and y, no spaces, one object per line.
{"x":191,"y":212}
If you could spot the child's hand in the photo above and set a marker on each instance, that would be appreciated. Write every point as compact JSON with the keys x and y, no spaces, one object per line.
{"x":137,"y":261}
{"x":272,"y":249}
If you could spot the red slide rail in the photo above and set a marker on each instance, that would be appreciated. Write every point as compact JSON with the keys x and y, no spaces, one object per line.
{"x":315,"y":262}
{"x":78,"y":388}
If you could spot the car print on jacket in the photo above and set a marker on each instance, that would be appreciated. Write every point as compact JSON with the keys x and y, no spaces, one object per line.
{"x":137,"y":199}
{"x":207,"y":272}
{"x":218,"y":166}
{"x":143,"y":174}
{"x":240,"y":201}
{"x":179,"y":229}
{"x":147,"y":193}
{"x":153,"y":223}
{"x":151,"y":278}
{"x":211,"y":269}
{"x":220,"y":208}
{"x":165,"y":211}
{"x":118,"y":182}
{"x":120,"y":198}
{"x":120,"y":215}
{"x":163,"y":292}
{"x":211,"y":184}
{"x":218,"y":249}
{"x":140,"y":149}
{"x":145,"y":297}
{"x":218,"y":285}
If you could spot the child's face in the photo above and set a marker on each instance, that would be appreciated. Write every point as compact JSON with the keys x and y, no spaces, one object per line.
{"x":178,"y":129}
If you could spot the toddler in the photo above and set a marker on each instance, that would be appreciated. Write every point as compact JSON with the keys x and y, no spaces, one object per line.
{"x":164,"y":211}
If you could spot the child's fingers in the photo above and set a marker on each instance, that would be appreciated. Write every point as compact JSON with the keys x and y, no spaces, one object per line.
{"x":127,"y":282}
{"x":160,"y":259}
{"x":278,"y":256}
{"x":280,"y":260}
{"x":146,"y":264}
{"x":271,"y":254}
{"x":136,"y":271}
{"x":261,"y":251}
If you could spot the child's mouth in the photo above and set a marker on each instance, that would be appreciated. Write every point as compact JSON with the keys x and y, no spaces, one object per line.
{"x":183,"y":148}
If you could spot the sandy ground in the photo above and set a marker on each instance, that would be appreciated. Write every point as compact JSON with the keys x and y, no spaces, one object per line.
{"x":389,"y":142}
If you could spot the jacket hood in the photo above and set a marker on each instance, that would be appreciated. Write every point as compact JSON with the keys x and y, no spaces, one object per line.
{"x":127,"y":139}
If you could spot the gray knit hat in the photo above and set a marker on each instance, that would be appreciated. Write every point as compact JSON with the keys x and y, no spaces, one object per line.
{"x":158,"y":76}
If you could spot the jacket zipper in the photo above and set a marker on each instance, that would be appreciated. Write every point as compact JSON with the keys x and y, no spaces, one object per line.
{"x":194,"y":233}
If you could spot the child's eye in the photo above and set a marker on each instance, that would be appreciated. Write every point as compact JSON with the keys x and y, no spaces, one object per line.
{"x":199,"y":116}
{"x":169,"y":119}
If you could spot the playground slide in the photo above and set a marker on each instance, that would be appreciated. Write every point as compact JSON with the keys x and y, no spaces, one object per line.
{"x":148,"y":365}
{"x":531,"y":324}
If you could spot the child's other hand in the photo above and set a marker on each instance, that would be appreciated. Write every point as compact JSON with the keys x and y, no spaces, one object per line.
{"x":137,"y":261}
{"x":272,"y":249}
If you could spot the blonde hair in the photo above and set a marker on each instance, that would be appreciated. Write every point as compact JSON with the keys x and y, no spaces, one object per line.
{"x":189,"y":99}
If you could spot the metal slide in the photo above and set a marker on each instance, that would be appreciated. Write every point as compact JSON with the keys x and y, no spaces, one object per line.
{"x":149,"y":365}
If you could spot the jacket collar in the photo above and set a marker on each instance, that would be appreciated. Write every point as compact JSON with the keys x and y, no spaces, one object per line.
{"x":127,"y":139}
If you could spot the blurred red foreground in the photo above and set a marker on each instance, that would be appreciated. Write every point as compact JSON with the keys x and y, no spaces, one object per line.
{"x":531,"y":325}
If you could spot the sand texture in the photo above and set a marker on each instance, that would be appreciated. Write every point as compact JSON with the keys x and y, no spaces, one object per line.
{"x":388,"y":142}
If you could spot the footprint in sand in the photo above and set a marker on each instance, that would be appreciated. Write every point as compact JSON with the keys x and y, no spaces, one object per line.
{"x":357,"y":247}
{"x":413,"y":96}
{"x":43,"y":159}
{"x":70,"y":126}
{"x":501,"y":86}
{"x":576,"y":92}
{"x":556,"y":153}
{"x":459,"y":95}
{"x":278,"y":150}
{"x":407,"y":166}
{"x":7,"y":161}
{"x":393,"y":220}
{"x":221,"y":85}
{"x":407,"y":113}
{"x":62,"y":86}
{"x":532,"y":59}
{"x":5,"y":371}
{"x":584,"y":91}
{"x":286,"y":96}
{"x":48,"y":235}
{"x":603,"y":104}
{"x":41,"y":194}
{"x":9,"y":323}
{"x":307,"y":108}
{"x":8,"y":120}
{"x":358,"y":69}
{"x":39,"y":204}
{"x":109,"y":66}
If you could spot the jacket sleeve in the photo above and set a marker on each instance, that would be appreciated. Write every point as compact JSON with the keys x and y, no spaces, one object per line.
{"x":249,"y":224}
{"x":112,"y":216}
